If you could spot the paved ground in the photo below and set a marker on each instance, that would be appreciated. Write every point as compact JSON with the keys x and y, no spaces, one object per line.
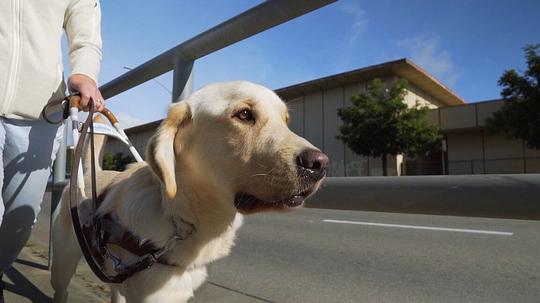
{"x":384,"y":257}
{"x":28,"y":280}
{"x":359,"y":257}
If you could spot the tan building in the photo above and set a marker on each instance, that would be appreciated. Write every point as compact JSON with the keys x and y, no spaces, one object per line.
{"x":473,"y":150}
{"x":314,"y":104}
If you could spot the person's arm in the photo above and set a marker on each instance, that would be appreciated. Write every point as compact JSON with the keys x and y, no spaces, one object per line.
{"x":83,"y":29}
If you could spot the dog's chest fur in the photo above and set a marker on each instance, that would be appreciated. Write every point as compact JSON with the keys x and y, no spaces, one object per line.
{"x":214,"y":247}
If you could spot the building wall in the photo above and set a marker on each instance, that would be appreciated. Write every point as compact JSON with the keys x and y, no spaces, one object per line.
{"x":459,"y":117}
{"x":332,"y":146}
{"x":465,"y":152}
{"x":472,"y":150}
{"x":139,"y":141}
{"x":314,"y":116}
{"x":354,"y":165}
{"x":417,"y":97}
{"x":477,"y":152}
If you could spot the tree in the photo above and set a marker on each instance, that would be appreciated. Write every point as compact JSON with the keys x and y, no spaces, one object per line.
{"x":519,"y":116}
{"x":117,"y":162}
{"x":379,"y":123}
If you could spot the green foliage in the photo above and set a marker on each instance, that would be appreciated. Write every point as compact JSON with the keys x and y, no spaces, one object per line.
{"x":70,"y":154}
{"x":117,"y":162}
{"x":379,"y":123}
{"x":519,"y":117}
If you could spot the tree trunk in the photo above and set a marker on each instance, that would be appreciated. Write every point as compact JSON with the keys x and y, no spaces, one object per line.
{"x":384,"y":165}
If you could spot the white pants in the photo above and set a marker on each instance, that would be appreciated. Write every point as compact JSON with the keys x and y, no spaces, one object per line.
{"x":27,"y":150}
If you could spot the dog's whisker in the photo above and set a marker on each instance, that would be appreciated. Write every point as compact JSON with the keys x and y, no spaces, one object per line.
{"x":268,"y":173}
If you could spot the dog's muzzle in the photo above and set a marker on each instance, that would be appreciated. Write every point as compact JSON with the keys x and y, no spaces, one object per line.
{"x":312,"y":164}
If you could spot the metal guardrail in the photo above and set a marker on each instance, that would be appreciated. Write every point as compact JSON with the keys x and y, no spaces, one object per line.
{"x":517,"y":165}
{"x":180,"y":58}
{"x":513,"y":196}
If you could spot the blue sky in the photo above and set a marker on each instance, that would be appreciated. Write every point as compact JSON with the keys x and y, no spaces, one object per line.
{"x":465,"y":44}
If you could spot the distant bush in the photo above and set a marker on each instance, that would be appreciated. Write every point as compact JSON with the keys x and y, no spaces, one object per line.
{"x":117,"y":162}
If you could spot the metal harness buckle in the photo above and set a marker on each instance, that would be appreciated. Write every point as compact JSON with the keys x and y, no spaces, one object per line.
{"x":149,"y":260}
{"x":118,"y":266}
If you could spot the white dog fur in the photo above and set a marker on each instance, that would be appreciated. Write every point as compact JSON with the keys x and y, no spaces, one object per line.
{"x":224,"y":139}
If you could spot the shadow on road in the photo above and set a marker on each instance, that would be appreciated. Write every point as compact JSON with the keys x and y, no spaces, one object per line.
{"x":32,"y":264}
{"x":22,"y":286}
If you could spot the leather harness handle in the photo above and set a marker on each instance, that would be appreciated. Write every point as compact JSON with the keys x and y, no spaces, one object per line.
{"x":74,"y":201}
{"x":110,"y":116}
{"x":75,"y":101}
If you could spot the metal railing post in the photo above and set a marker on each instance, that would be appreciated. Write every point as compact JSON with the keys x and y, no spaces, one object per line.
{"x":182,"y":79}
{"x":59,"y":182}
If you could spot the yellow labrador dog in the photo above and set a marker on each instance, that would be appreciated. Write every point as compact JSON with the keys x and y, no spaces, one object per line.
{"x":223,"y":152}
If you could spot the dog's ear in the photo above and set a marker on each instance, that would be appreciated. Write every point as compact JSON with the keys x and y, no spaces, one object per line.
{"x":162,"y":149}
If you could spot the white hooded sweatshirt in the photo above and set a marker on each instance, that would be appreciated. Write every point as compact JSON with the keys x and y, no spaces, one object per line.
{"x":31,"y":70}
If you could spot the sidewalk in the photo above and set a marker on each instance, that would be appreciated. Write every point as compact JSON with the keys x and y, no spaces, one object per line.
{"x":29,"y":279}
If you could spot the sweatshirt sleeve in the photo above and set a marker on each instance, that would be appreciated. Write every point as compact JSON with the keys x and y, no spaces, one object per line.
{"x":83,"y":29}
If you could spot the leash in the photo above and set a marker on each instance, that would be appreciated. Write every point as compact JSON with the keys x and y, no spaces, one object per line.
{"x":73,"y":198}
{"x":96,"y":232}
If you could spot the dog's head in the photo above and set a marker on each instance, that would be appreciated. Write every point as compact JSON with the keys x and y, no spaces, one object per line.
{"x":234,"y":138}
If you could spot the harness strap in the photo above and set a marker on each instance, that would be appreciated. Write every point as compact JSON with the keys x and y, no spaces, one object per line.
{"x":94,"y":237}
{"x":115,"y":233}
{"x":73,"y":202}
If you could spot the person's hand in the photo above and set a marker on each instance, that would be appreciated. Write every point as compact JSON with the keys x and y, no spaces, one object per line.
{"x":88,"y":89}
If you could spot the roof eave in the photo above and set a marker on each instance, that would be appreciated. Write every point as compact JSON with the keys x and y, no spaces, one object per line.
{"x":404,"y":68}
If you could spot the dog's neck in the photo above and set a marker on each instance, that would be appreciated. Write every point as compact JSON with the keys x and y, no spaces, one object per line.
{"x":213,"y":215}
{"x":201,"y":202}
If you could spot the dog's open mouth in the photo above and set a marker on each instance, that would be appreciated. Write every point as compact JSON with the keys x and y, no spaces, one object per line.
{"x":247,"y":203}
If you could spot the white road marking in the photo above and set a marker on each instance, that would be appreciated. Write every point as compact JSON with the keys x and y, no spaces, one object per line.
{"x":459,"y":230}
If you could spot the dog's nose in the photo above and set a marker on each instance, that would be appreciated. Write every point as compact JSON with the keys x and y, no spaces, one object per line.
{"x":313,"y":159}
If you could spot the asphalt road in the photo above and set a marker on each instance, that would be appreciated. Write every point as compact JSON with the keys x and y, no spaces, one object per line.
{"x":298,"y":257}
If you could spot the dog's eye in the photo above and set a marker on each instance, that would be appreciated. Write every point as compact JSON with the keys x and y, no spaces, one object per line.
{"x":245,"y":115}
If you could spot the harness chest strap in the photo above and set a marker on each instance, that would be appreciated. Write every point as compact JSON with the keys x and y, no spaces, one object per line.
{"x":94,"y":237}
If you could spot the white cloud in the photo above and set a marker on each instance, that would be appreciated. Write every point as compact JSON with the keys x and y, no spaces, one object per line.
{"x":424,"y":50}
{"x":127,"y":121}
{"x":359,"y":19}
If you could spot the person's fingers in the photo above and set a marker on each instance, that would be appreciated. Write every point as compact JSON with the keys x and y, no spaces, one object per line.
{"x":88,"y":91}
{"x":85,"y":98}
{"x":100,"y":104}
{"x":97,"y":102}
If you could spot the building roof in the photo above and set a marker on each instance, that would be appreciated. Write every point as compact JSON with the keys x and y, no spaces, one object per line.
{"x":403,"y":68}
